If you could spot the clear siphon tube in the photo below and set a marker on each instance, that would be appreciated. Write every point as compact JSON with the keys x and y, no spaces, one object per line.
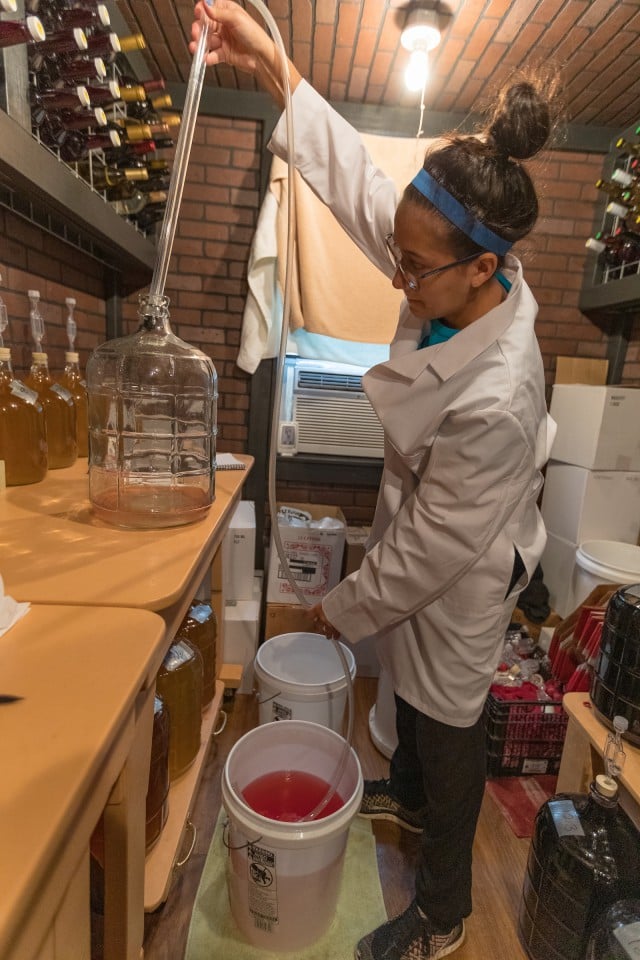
{"x":275,"y":415}
{"x":165,"y":243}
{"x":181,"y":159}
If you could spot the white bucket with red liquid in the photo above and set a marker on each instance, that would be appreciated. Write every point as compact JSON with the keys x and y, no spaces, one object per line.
{"x":284,"y":876}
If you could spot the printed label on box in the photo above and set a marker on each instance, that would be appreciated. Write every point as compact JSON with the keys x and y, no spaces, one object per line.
{"x":309,"y":565}
{"x":535,"y":766}
{"x":263,"y":888}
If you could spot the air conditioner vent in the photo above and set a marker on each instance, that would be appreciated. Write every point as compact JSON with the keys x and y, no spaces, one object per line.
{"x":329,"y":380}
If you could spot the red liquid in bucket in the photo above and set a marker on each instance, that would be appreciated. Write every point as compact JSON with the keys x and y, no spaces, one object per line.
{"x":289,"y":795}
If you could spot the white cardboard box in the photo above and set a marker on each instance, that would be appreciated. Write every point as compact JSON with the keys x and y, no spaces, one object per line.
{"x":241,"y":628}
{"x":558,"y":562}
{"x":580,"y":504}
{"x":598,"y":427}
{"x":314,"y":555}
{"x":238,"y":552}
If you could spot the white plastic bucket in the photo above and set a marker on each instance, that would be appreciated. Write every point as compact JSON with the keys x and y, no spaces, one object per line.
{"x":301,"y":677}
{"x":382,"y":717}
{"x":284,"y":878}
{"x":603,"y":561}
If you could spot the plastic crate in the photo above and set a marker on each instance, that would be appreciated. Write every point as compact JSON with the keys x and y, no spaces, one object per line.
{"x":523,"y":736}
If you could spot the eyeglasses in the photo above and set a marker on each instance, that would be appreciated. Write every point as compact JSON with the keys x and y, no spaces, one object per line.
{"x":413,"y":282}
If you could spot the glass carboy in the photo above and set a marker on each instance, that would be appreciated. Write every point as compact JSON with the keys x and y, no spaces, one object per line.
{"x":152,"y":425}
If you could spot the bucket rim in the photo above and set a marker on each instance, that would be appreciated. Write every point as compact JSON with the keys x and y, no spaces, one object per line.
{"x":587,"y":557}
{"x":293,"y":831}
{"x":337,"y":684}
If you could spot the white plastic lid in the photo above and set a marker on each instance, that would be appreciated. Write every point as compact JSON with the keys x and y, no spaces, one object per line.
{"x":5,"y":353}
{"x":101,"y":70}
{"x":597,"y":245}
{"x":606,"y":786}
{"x":80,"y":38}
{"x":35,"y":28}
{"x":114,"y":136}
{"x":103,"y":15}
{"x":115,"y":43}
{"x":83,"y":96}
{"x":114,"y":89}
{"x":101,"y":120}
{"x":8,"y":6}
{"x":617,"y":210}
{"x":71,"y":356}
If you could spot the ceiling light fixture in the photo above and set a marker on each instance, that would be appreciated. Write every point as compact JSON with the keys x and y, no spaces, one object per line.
{"x":420,"y":35}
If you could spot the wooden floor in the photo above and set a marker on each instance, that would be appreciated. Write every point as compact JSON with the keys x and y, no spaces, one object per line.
{"x":499,"y":856}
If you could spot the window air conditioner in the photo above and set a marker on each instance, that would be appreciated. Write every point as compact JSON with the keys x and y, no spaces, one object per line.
{"x":325,"y":410}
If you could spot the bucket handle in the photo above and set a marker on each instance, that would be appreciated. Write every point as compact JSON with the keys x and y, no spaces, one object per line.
{"x":240,"y":846}
{"x":266,"y":699}
{"x":194,"y":836}
{"x":222,"y":722}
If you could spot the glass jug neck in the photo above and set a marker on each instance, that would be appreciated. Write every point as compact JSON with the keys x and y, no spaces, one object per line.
{"x":154,"y":313}
{"x":40,"y":363}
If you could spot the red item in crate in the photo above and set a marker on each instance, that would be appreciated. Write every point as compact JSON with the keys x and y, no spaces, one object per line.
{"x":524,"y":736}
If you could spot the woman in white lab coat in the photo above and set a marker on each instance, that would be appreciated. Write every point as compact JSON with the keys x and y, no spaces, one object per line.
{"x":456,"y":533}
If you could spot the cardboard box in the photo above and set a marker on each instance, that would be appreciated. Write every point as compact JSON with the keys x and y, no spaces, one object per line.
{"x":354,"y":548}
{"x":238,"y":552}
{"x":597,"y":426}
{"x":314,"y":554}
{"x":286,"y":618}
{"x":580,"y":504}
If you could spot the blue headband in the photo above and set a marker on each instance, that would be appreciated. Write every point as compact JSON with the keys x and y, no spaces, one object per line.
{"x":458,"y":215}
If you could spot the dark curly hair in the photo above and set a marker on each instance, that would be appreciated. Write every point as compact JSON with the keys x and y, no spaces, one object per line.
{"x":483,"y":170}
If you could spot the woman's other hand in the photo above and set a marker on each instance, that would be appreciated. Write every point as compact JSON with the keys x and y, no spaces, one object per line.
{"x":321,"y":623}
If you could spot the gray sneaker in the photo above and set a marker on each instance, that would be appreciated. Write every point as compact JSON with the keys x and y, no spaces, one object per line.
{"x":409,"y":937}
{"x":379,"y":804}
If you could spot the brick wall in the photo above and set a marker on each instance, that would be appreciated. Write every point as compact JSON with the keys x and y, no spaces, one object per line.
{"x":207,"y":277}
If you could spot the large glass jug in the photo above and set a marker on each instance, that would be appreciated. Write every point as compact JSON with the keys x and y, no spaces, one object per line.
{"x":152,"y":425}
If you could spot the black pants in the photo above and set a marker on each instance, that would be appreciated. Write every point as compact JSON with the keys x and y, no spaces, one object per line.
{"x":442,"y":769}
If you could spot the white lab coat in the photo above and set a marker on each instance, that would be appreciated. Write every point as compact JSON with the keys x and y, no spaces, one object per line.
{"x":465,"y":439}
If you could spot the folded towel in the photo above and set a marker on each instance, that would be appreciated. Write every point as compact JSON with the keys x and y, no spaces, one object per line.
{"x":213,"y":932}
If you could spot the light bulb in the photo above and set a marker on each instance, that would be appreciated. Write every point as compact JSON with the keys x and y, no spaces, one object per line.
{"x":417,"y":70}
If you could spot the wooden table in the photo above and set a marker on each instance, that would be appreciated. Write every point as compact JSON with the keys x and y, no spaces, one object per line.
{"x":582,"y":755}
{"x":54,"y":551}
{"x":77,"y":744}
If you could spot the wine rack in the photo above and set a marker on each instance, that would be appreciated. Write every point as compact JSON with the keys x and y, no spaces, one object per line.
{"x":62,"y":197}
{"x":611,"y":283}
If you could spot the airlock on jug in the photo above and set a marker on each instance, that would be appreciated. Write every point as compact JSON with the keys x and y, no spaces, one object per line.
{"x":152,"y":425}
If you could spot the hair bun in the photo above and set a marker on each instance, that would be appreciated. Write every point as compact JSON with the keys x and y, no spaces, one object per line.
{"x":521,"y":121}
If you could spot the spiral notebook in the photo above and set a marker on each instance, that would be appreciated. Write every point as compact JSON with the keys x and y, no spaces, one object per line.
{"x":227,"y":461}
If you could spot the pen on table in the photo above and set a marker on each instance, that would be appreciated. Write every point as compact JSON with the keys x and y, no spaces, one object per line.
{"x":9,"y":698}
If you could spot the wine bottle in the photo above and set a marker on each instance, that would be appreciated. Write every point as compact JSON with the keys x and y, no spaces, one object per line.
{"x":146,"y":218}
{"x":613,"y":190}
{"x":102,"y":95}
{"x":61,"y":70}
{"x":130,"y":152}
{"x":627,"y":146}
{"x":56,"y":18}
{"x":56,"y":128}
{"x":129,"y":84}
{"x":67,"y":98}
{"x":13,"y":32}
{"x":622,"y":177}
{"x":103,"y":45}
{"x":115,"y":45}
{"x":138,"y":201}
{"x":147,"y":109}
{"x":134,"y":130}
{"x":78,"y":145}
{"x":108,"y":177}
{"x":65,"y":41}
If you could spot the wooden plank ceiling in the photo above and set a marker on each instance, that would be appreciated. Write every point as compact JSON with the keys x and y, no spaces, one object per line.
{"x":350,"y":50}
